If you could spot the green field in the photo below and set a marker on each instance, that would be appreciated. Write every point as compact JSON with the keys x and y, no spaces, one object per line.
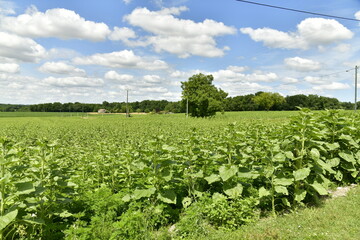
{"x":80,"y":176}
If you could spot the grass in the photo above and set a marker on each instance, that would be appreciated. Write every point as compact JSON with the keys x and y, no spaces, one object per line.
{"x":337,"y":219}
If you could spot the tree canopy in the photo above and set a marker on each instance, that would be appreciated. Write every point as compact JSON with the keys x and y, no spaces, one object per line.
{"x":204,"y":99}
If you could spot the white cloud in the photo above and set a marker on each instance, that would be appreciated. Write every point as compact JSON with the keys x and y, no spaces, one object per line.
{"x":357,"y":15}
{"x":62,"y":53}
{"x":58,"y":22}
{"x":311,"y":32}
{"x":229,"y":75}
{"x":342,"y":48}
{"x":74,"y":82}
{"x":20,"y":48}
{"x":290,"y":80}
{"x":9,"y":67}
{"x":122,"y":59}
{"x":112,"y":75}
{"x":243,"y":88}
{"x":302,"y":64}
{"x":152,"y":79}
{"x":122,"y":34}
{"x":179,"y":36}
{"x":61,"y":68}
{"x":315,"y":80}
{"x":7,"y":8}
{"x":127,"y":1}
{"x":332,"y":86}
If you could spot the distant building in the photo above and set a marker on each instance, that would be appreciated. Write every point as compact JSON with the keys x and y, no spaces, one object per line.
{"x":102,"y":111}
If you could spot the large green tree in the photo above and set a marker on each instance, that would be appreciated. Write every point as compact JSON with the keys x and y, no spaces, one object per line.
{"x":266,"y":100}
{"x":203,"y":97}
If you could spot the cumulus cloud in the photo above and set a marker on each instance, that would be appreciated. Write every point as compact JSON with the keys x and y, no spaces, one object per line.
{"x":179,"y":36}
{"x":74,"y":82}
{"x":290,"y":80}
{"x":315,"y":80}
{"x":20,"y":48}
{"x":302,"y":64}
{"x":61,"y":68}
{"x":152,"y":79}
{"x":122,"y":59}
{"x":122,"y":34}
{"x":357,"y":15}
{"x":233,"y":74}
{"x":113,"y":75}
{"x":7,"y":8}
{"x":332,"y":86}
{"x":9,"y":67}
{"x":311,"y":32}
{"x":58,"y":22}
{"x":244,"y":88}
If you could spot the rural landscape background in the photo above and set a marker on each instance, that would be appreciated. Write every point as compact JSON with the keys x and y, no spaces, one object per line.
{"x":246,"y":126}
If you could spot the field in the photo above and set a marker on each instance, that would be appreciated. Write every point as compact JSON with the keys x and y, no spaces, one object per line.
{"x":79,"y":176}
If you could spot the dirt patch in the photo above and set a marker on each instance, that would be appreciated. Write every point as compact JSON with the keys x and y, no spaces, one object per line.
{"x":341,"y":191}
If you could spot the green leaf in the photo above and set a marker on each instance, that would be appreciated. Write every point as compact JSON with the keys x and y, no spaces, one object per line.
{"x":289,"y":155}
{"x":35,"y":221}
{"x":263,"y":192}
{"x":166,"y":174}
{"x":212,"y":178}
{"x":227,"y":172}
{"x":282,"y":190}
{"x":168,"y":148}
{"x":24,"y":188}
{"x":314,"y":154}
{"x":246,"y":173}
{"x":347,"y":157}
{"x":218,"y":197}
{"x":300,"y":195}
{"x":7,"y":218}
{"x":283,"y":181}
{"x":140,"y":193}
{"x":65,"y":214}
{"x":167,"y":196}
{"x":339,"y":176}
{"x":326,"y":166}
{"x":199,"y":174}
{"x":319,"y":188}
{"x":126,"y":198}
{"x":301,"y":174}
{"x":334,"y":162}
{"x":280,"y":157}
{"x":286,"y":202}
{"x":233,"y":191}
{"x":332,"y":146}
{"x":186,"y":202}
{"x":355,"y":174}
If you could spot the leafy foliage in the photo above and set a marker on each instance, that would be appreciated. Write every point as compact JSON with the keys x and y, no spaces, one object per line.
{"x":84,"y":179}
{"x":204,"y":99}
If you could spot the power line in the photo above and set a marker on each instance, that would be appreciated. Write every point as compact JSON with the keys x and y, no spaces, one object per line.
{"x":300,"y":11}
{"x":320,"y":76}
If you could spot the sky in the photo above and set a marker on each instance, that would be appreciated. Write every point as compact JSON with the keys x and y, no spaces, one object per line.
{"x":92,"y":51}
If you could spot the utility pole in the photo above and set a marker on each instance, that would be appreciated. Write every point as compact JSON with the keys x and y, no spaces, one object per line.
{"x":127,"y":103}
{"x":356,"y":70}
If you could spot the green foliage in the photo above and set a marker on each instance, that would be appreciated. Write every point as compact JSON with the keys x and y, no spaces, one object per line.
{"x":267,"y":100}
{"x":203,"y":98}
{"x":103,"y":178}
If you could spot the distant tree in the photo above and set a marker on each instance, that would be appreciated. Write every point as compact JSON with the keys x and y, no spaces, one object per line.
{"x":203,"y":97}
{"x":266,"y":100}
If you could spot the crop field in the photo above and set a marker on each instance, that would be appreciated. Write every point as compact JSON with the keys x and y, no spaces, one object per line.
{"x":79,"y":176}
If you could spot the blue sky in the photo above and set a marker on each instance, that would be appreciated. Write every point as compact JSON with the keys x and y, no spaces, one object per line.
{"x":93,"y":51}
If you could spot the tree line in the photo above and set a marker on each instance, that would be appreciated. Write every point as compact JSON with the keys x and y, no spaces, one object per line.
{"x":260,"y":101}
{"x":200,"y":98}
